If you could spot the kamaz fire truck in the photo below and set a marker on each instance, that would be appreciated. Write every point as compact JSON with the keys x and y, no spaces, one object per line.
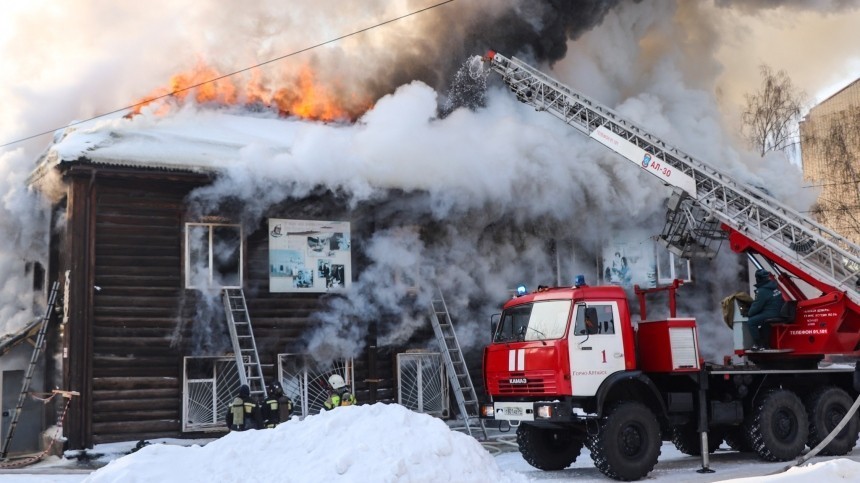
{"x":568,"y":366}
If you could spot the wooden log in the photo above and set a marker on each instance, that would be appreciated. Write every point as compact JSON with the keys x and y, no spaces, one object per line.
{"x":126,"y":321}
{"x":136,"y":371}
{"x":149,"y":426}
{"x":123,"y":240}
{"x":173,"y":393}
{"x":117,"y":417}
{"x":139,"y":281}
{"x":114,"y":383}
{"x":134,"y":404}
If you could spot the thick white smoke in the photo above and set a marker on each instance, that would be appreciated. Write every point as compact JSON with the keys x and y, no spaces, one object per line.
{"x":486,"y":192}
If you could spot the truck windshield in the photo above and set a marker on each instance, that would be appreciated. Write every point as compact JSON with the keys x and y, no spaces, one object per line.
{"x":536,"y":321}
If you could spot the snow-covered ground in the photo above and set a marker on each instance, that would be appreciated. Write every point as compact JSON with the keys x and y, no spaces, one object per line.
{"x":384,"y":443}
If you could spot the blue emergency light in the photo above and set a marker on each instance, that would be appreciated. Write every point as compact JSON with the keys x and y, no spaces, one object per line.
{"x":521,"y":290}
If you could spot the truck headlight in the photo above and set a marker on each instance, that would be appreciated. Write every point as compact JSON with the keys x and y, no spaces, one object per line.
{"x":544,"y":412}
{"x":488,"y":411}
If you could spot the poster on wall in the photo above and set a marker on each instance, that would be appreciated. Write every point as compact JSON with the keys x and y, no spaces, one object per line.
{"x":309,"y":255}
{"x":629,"y":264}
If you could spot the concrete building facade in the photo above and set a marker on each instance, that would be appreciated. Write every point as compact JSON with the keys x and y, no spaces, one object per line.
{"x":830,"y":143}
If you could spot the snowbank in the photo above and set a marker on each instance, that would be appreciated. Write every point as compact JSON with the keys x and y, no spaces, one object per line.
{"x":378,"y":443}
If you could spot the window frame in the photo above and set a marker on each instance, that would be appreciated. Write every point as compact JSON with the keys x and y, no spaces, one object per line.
{"x":673,"y":262}
{"x":187,"y":255}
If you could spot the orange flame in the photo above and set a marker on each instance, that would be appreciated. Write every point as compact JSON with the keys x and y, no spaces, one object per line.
{"x":305,"y":96}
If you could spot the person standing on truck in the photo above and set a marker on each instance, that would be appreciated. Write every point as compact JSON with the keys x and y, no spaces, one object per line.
{"x":767,"y":305}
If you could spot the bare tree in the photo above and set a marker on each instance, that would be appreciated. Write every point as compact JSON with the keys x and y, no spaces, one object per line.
{"x":835,"y":144}
{"x":771,"y":116}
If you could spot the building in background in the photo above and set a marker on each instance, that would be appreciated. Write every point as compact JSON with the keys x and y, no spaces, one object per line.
{"x":830,"y":144}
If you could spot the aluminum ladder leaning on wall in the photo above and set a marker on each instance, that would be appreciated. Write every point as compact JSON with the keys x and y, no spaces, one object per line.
{"x":244,"y":344}
{"x":28,"y":377}
{"x":458,"y":373}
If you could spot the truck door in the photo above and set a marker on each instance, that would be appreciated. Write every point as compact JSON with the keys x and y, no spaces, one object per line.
{"x":596,"y":346}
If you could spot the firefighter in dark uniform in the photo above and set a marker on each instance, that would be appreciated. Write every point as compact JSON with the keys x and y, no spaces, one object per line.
{"x":767,"y":305}
{"x":277,"y":407}
{"x":243,"y":413}
{"x":339,"y":393}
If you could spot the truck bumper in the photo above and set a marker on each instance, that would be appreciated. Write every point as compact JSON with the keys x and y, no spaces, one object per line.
{"x":554,"y":411}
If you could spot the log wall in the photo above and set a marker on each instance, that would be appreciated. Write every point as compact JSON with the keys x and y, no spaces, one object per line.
{"x":126,"y":340}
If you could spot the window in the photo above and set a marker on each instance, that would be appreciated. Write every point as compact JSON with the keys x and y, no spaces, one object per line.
{"x":538,"y":321}
{"x":37,"y":271}
{"x":671,"y":267}
{"x":213,"y":255}
{"x":594,"y":319}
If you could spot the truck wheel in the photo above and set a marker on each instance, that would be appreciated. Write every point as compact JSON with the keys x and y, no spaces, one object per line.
{"x":689,"y":441}
{"x":546,"y":448}
{"x":826,"y":407}
{"x":627,"y":442}
{"x":778,"y":427}
{"x":736,"y":438}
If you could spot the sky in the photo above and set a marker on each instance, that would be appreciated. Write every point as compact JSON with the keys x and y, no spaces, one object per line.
{"x":388,"y":443}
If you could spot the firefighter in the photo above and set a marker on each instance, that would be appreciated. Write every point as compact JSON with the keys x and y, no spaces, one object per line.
{"x":277,"y":407}
{"x":243,"y":414}
{"x":767,"y":305}
{"x":339,"y":393}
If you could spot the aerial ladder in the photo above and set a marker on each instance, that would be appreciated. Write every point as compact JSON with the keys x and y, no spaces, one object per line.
{"x":707,"y":206}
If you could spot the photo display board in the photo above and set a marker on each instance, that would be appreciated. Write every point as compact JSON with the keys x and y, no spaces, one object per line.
{"x":309,"y":255}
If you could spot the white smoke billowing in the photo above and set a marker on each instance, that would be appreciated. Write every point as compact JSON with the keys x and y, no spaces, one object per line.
{"x":24,"y":237}
{"x":486,"y":193}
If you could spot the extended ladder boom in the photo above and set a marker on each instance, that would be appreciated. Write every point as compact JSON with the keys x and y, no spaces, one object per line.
{"x":706,"y":202}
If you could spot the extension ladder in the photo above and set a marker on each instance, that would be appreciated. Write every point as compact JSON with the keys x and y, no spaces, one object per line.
{"x":28,"y":376}
{"x":244,"y":344}
{"x":458,"y":374}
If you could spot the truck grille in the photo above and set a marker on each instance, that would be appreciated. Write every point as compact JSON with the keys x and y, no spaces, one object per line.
{"x":536,"y":384}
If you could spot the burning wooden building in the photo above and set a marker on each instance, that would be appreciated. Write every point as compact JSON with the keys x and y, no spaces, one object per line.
{"x":144,"y":338}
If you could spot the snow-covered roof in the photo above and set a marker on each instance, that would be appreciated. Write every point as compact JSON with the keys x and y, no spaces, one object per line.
{"x":192,"y":139}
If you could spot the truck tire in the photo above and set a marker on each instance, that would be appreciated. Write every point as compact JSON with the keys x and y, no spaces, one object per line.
{"x":688,"y":441}
{"x":736,"y":438}
{"x":548,"y":449}
{"x":826,"y":407}
{"x":778,"y":426}
{"x":627,"y":443}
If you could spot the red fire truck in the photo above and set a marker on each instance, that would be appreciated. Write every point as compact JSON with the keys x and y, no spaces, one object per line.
{"x":569,"y":367}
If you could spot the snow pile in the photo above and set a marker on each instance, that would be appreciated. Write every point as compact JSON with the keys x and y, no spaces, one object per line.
{"x":377,"y":443}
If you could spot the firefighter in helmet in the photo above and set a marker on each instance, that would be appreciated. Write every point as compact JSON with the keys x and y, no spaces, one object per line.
{"x":277,"y":407}
{"x":339,"y":393}
{"x":243,"y":413}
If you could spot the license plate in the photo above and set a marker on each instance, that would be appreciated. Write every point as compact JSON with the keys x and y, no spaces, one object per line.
{"x":513,"y":411}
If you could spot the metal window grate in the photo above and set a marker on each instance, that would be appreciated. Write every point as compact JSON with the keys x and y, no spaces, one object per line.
{"x":421,"y":383}
{"x":305,"y":380}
